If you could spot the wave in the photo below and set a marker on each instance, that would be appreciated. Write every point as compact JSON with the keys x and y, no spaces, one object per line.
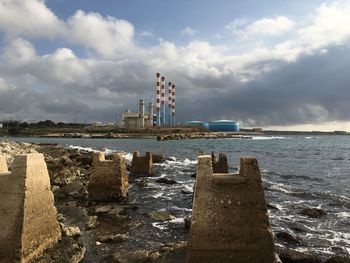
{"x":271,"y":138}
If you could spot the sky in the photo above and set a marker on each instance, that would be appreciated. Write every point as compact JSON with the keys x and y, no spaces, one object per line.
{"x":272,"y":64}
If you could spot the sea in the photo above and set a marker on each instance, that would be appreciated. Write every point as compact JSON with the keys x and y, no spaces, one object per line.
{"x":298,"y":172}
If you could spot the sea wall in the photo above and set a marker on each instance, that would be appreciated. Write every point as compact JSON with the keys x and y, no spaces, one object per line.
{"x":108,"y":180}
{"x":28,"y":219}
{"x":229,"y":217}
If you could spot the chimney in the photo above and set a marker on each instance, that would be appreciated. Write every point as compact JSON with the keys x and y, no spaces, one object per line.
{"x":158,"y":99}
{"x":163,"y":101}
{"x":173,"y":106}
{"x":150,"y":114}
{"x":169,"y":103}
{"x":142,"y":114}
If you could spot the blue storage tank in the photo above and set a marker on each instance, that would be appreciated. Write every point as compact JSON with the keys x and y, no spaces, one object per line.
{"x":198,"y":123}
{"x":224,"y":125}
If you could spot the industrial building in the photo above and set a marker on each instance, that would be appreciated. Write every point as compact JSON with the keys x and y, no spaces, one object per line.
{"x":219,"y":125}
{"x":140,"y":119}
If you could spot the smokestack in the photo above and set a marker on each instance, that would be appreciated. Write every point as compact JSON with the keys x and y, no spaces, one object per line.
{"x":150,"y":114}
{"x":142,"y":114}
{"x":158,"y":98}
{"x":169,"y":103}
{"x":173,"y":106}
{"x":163,"y":101}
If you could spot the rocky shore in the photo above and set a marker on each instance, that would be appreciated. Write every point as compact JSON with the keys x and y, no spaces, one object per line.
{"x":119,"y":232}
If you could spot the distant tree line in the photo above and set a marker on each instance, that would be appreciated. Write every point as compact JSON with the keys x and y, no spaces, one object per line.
{"x":15,"y":127}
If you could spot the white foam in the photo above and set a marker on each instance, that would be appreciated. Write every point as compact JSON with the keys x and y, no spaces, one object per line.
{"x":177,"y":220}
{"x":160,"y":226}
{"x":80,"y":148}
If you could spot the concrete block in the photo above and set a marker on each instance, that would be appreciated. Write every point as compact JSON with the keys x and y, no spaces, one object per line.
{"x":229,"y":216}
{"x":28,"y":217}
{"x":108,"y":180}
{"x":141,"y":165}
{"x":219,"y":165}
{"x":3,"y":165}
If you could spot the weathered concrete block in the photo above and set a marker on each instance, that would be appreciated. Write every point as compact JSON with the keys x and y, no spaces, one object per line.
{"x":28,"y":217}
{"x":229,"y":217}
{"x":108,"y":180}
{"x":141,"y":165}
{"x":219,"y":165}
{"x":3,"y":165}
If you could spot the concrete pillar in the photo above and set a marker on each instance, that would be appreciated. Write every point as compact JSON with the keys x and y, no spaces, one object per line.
{"x":3,"y":165}
{"x":219,"y":165}
{"x":108,"y":180}
{"x":28,"y":218}
{"x":229,"y":216}
{"x":141,"y":165}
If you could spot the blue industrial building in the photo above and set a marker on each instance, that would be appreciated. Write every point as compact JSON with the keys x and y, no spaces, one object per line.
{"x":224,"y":125}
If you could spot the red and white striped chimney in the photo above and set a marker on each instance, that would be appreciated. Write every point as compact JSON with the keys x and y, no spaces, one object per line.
{"x":163,"y":100}
{"x":158,"y":98}
{"x":170,"y":102}
{"x":173,"y":104}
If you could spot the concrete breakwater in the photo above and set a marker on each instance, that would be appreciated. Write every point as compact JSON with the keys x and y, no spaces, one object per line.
{"x":109,"y":231}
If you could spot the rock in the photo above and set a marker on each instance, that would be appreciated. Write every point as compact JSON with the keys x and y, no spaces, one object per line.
{"x":91,"y":223}
{"x":111,"y":209}
{"x":186,"y":191}
{"x":165,"y":181}
{"x":292,"y":256}
{"x":313,"y":212}
{"x":286,"y":237}
{"x":194,"y":175}
{"x":157,"y":158}
{"x":161,"y":216}
{"x":60,"y":218}
{"x":55,"y":188}
{"x":338,"y":259}
{"x":119,"y":238}
{"x":140,"y":256}
{"x":72,"y":231}
{"x":79,"y":252}
{"x":66,"y":161}
{"x":270,"y":206}
{"x":187,"y":221}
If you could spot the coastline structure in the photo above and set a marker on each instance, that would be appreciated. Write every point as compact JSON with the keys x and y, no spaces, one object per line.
{"x":229,"y":216}
{"x":28,"y":218}
{"x":108,"y":180}
{"x":158,"y":99}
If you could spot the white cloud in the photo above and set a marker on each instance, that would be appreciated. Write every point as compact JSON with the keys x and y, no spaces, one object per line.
{"x":189,"y":31}
{"x":146,"y":34}
{"x":107,"y":35}
{"x":28,"y":18}
{"x":263,"y":27}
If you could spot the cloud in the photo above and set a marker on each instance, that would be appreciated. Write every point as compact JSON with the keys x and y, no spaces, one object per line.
{"x":29,"y":18}
{"x":189,"y":31}
{"x":300,"y":79}
{"x":263,"y":27}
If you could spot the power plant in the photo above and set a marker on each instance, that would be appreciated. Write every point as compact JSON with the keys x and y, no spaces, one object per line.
{"x":165,"y":115}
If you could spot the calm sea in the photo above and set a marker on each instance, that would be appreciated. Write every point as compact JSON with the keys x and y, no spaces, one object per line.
{"x":298,"y":172}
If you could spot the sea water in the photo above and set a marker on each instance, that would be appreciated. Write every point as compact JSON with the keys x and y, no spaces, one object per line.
{"x":298,"y":172}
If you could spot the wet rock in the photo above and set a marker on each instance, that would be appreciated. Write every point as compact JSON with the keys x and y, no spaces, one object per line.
{"x":66,"y":161}
{"x":186,"y":191}
{"x":72,"y":231}
{"x":286,"y":237}
{"x":338,"y":259}
{"x":157,"y":158}
{"x":193,"y":175}
{"x":140,"y":256}
{"x":313,"y":212}
{"x":165,"y":181}
{"x":79,"y":252}
{"x":111,"y":209}
{"x":187,"y":221}
{"x":91,"y":223}
{"x":161,"y":216}
{"x":60,"y":218}
{"x":119,"y":238}
{"x":292,"y":256}
{"x":270,"y":206}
